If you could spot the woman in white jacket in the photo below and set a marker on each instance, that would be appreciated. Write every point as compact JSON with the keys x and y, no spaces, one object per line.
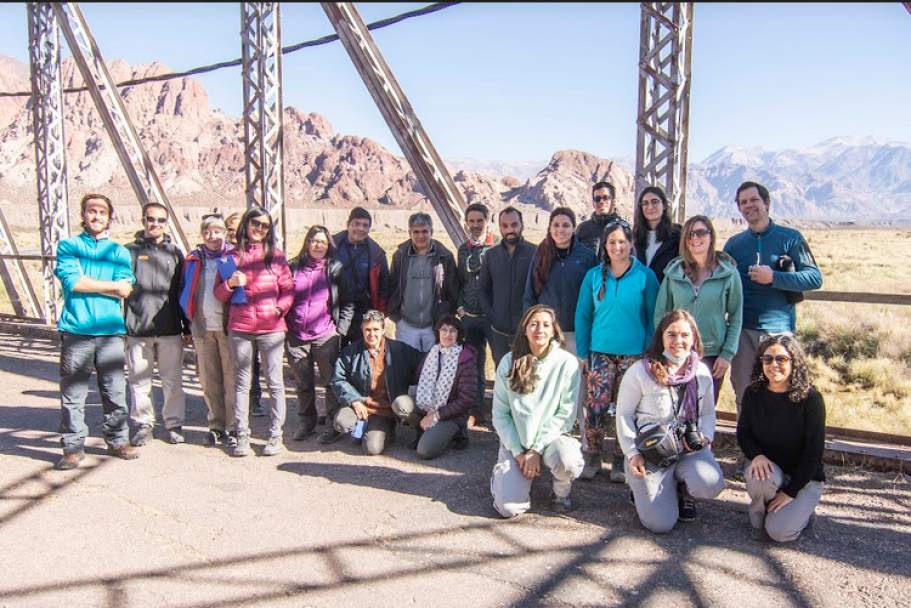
{"x":670,"y":385}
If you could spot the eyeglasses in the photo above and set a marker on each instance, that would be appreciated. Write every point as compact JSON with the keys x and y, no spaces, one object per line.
{"x":779,"y":359}
{"x":155,"y":220}
{"x":656,"y":202}
{"x":699,"y":233}
{"x":260,"y":225}
{"x":598,"y":199}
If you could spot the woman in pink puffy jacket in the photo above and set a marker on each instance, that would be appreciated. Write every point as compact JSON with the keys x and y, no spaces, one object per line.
{"x":260,"y":292}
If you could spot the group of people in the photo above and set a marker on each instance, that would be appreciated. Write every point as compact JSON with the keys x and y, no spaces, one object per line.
{"x":600,"y":330}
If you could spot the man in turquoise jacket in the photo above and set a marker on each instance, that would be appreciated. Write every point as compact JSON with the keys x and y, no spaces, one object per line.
{"x":95,"y":274}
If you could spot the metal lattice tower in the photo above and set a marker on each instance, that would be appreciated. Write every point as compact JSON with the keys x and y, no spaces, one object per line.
{"x":666,"y":45}
{"x":262,"y":83}
{"x":50,"y":143}
{"x":427,"y":165}
{"x":106,"y":96}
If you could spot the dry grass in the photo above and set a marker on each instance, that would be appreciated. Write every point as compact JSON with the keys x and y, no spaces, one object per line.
{"x":861,"y":353}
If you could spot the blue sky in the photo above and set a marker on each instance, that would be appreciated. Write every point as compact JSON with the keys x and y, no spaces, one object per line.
{"x":517,"y":82}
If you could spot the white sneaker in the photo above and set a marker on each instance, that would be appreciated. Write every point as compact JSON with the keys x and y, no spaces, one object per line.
{"x":273,"y":446}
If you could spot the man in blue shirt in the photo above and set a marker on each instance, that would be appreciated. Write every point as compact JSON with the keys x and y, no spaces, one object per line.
{"x":776,"y":266}
{"x":95,"y":274}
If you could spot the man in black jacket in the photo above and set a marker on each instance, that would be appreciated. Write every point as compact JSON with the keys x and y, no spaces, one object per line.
{"x":156,"y":327}
{"x":591,"y":230}
{"x":424,"y":284}
{"x":503,"y":276}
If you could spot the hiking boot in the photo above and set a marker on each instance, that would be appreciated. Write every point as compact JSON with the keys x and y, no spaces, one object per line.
{"x":303,"y":431}
{"x":417,"y":438}
{"x":686,"y":504}
{"x":211,"y":439}
{"x":143,"y":436}
{"x":617,"y":474}
{"x":592,"y":465}
{"x":320,"y":420}
{"x":561,"y":504}
{"x":175,"y":435}
{"x":70,"y":460}
{"x":231,"y":439}
{"x":330,"y":435}
{"x":124,"y":451}
{"x":256,"y":408}
{"x":243,"y":446}
{"x":460,"y":440}
{"x":811,"y":522}
{"x":273,"y":446}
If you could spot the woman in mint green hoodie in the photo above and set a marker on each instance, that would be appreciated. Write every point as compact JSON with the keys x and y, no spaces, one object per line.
{"x":534,"y":406}
{"x":704,"y":282}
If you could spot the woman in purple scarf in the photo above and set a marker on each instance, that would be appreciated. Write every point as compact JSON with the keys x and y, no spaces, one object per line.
{"x":320,"y":314}
{"x":670,"y":386}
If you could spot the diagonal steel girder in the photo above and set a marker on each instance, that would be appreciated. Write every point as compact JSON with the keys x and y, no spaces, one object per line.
{"x":665,"y":59}
{"x":105,"y":94}
{"x":427,"y":165}
{"x":50,"y":144}
{"x":261,"y":72}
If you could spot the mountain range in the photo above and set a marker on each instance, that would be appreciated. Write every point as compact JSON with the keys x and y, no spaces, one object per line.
{"x":198,"y":154}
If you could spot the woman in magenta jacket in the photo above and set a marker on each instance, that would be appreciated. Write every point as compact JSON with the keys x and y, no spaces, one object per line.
{"x":256,"y":319}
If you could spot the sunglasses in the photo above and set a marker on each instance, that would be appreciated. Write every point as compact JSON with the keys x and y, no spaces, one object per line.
{"x":259,"y":224}
{"x":613,"y":223}
{"x":699,"y":233}
{"x":779,"y":359}
{"x":651,"y":203}
{"x":598,"y":199}
{"x":155,"y":220}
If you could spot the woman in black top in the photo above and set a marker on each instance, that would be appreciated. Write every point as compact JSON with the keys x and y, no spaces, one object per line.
{"x":655,"y":236}
{"x":781,"y":430}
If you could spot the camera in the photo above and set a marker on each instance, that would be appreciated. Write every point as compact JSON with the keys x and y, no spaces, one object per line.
{"x":690,"y":433}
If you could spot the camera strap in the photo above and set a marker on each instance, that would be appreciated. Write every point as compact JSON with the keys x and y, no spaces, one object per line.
{"x":678,"y":402}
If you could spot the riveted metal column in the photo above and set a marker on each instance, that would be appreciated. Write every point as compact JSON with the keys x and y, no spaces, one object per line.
{"x":104,"y":93}
{"x":427,"y":165}
{"x":50,"y":144}
{"x":666,"y":44}
{"x":263,"y":136}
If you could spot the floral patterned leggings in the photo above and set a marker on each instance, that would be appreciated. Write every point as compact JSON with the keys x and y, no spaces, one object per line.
{"x":604,"y":375}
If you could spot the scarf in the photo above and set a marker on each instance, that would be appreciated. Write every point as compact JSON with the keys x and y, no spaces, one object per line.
{"x":690,"y":407}
{"x":208,"y":253}
{"x":437,"y":376}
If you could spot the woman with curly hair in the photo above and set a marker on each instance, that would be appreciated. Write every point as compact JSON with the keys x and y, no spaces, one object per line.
{"x":534,"y":403}
{"x":781,"y":430}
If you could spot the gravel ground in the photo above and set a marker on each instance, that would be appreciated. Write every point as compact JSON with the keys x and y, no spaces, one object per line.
{"x":326,"y":526}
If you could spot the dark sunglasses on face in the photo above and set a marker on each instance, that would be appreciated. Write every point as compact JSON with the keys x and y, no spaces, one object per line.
{"x":699,"y":233}
{"x":779,"y":359}
{"x":156,"y":220}
{"x":259,"y":224}
{"x":598,"y":199}
{"x":651,"y":203}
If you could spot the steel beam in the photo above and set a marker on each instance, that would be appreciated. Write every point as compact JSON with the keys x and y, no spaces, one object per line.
{"x":261,"y":68}
{"x":427,"y":165}
{"x":665,"y":58}
{"x":50,"y":144}
{"x":104,"y":93}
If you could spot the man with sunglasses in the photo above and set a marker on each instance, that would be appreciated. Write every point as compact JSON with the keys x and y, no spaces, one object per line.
{"x":156,"y":327}
{"x":470,"y":256}
{"x":776,"y":266}
{"x":604,"y":202}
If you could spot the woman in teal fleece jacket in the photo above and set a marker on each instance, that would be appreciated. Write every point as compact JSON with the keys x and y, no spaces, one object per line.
{"x":613,"y":329}
{"x":705,"y":283}
{"x":534,"y":405}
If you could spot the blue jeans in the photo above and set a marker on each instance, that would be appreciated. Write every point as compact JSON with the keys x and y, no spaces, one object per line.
{"x":79,"y":356}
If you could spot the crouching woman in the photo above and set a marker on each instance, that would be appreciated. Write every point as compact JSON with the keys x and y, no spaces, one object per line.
{"x":535,"y":396}
{"x":670,"y":384}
